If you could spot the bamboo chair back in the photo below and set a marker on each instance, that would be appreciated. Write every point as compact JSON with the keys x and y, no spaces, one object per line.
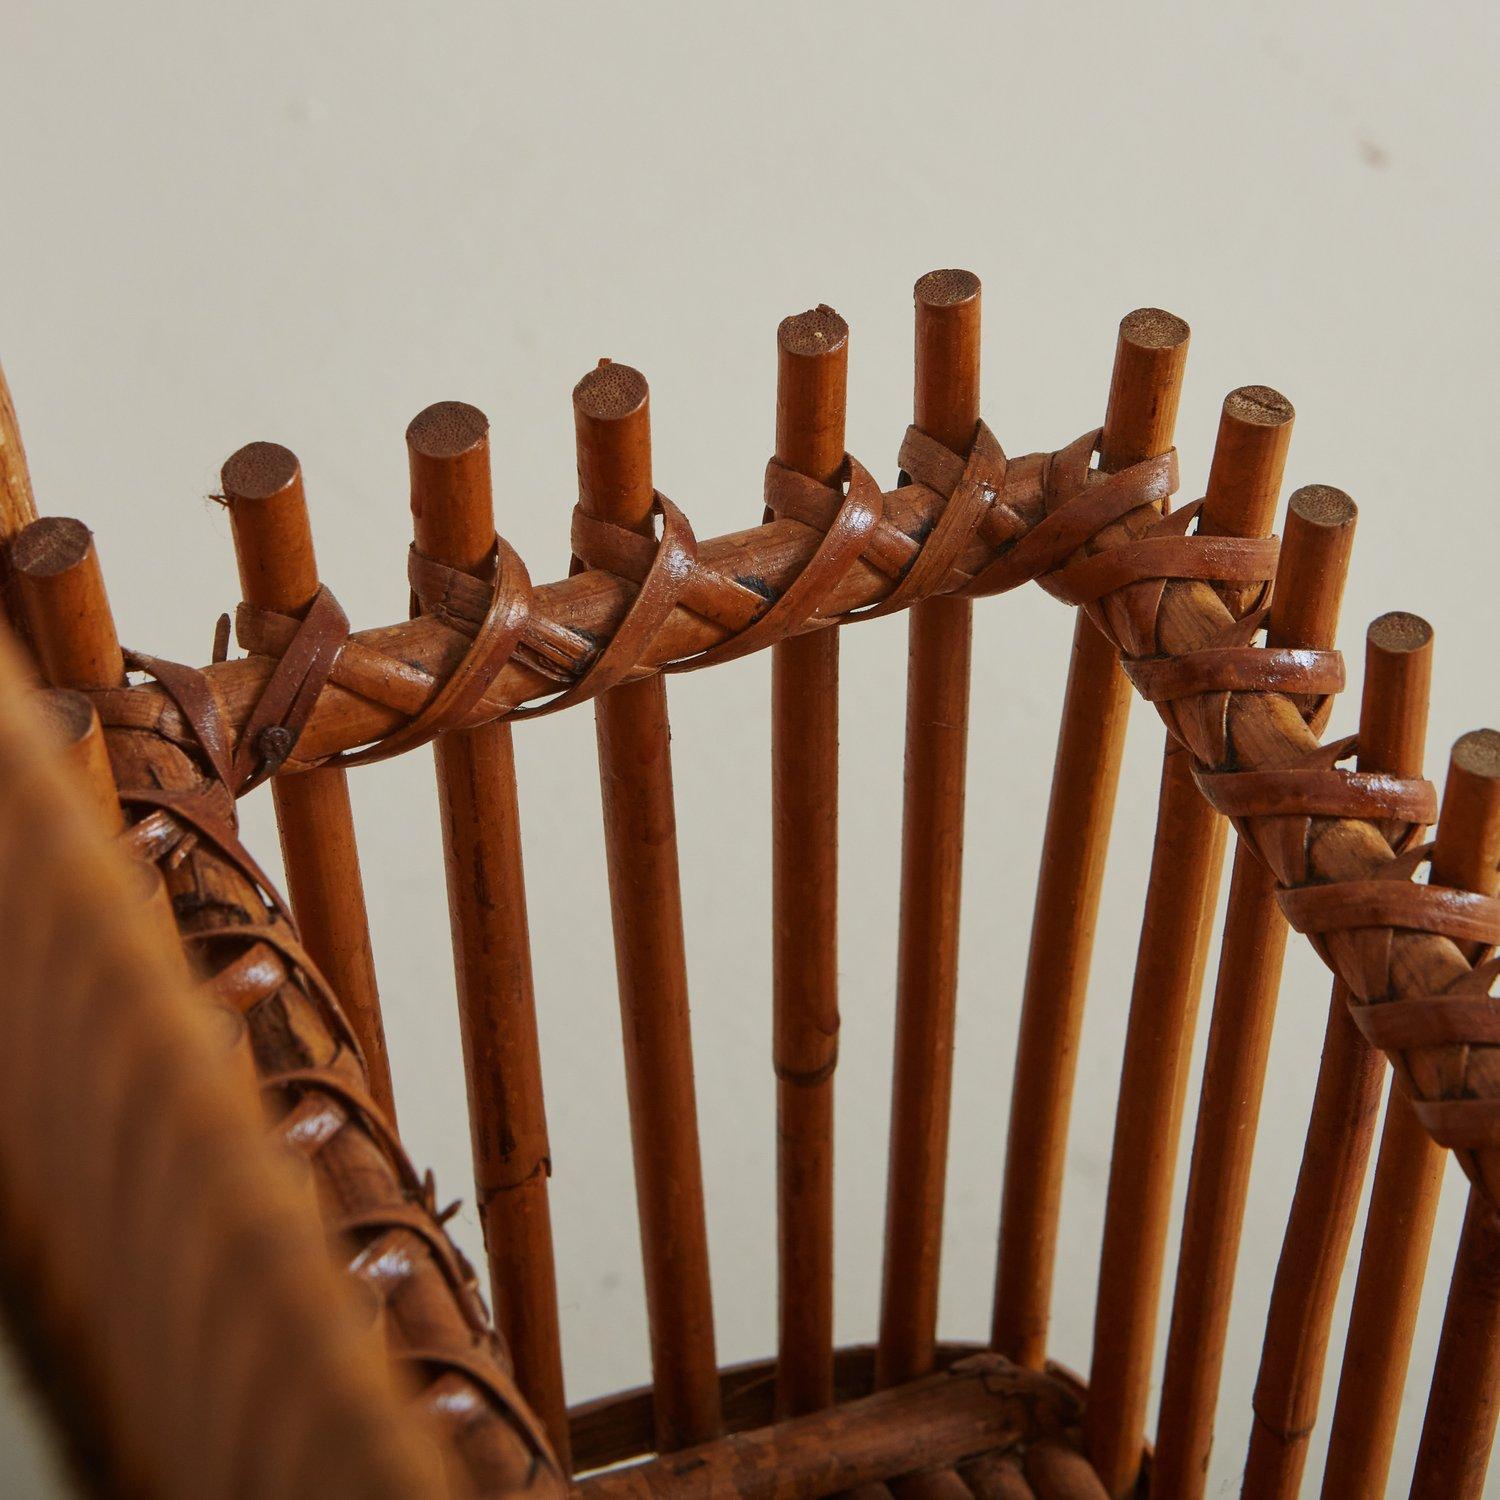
{"x":1199,"y":608}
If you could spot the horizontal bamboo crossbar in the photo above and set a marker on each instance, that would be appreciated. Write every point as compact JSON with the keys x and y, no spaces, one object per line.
{"x":400,"y":666}
{"x":976,"y":1406}
{"x":1254,"y":727}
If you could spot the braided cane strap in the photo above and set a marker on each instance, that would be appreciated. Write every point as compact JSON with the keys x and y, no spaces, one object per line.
{"x":1169,"y":595}
{"x":385,"y":1227}
{"x":1002,"y":522}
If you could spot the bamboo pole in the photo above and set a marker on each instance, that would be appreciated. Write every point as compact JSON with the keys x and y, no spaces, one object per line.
{"x":1187,"y":859}
{"x":17,"y":510}
{"x":1463,"y":1404}
{"x":454,"y":523}
{"x":1398,"y":1224}
{"x":937,"y":727}
{"x":1392,"y":730}
{"x":62,"y":597}
{"x":1304,"y":612}
{"x":1145,"y":388}
{"x":812,"y":374}
{"x":273,"y":546}
{"x":974,"y":1408}
{"x":611,"y":409}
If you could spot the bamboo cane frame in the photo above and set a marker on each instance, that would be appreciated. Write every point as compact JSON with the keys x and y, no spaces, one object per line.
{"x":1262,"y":729}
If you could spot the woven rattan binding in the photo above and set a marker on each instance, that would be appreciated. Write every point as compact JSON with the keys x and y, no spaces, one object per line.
{"x":1182,"y":604}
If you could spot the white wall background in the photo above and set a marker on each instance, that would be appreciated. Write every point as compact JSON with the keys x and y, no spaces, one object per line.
{"x":305,"y":222}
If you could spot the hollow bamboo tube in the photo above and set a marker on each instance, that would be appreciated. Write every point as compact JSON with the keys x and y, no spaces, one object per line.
{"x":932,"y":835}
{"x":1398,"y":1225}
{"x":611,"y":409}
{"x":62,"y":597}
{"x":1464,"y":1400}
{"x":1392,"y":729}
{"x":1304,"y":612}
{"x":273,"y":546}
{"x":1186,"y":863}
{"x":812,"y":370}
{"x":1145,"y":388}
{"x":453,"y":520}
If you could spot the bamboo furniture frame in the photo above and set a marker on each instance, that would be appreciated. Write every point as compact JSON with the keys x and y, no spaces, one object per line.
{"x":158,"y":983}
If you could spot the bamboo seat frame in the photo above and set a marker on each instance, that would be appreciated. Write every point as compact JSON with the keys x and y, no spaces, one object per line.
{"x":1227,"y":630}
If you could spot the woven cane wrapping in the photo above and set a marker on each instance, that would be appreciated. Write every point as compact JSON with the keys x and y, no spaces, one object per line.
{"x":153,"y":1234}
{"x":975,"y":523}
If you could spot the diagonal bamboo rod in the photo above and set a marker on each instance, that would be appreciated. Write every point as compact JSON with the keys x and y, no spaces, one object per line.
{"x":453,"y":519}
{"x":812,"y":372}
{"x":1187,"y":859}
{"x":1145,"y":388}
{"x":1304,"y":612}
{"x":612,"y":415}
{"x":937,"y":727}
{"x":1403,"y":1204}
{"x":262,"y":485}
{"x":1463,"y":1404}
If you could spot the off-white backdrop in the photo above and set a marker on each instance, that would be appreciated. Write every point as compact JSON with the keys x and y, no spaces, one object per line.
{"x":305,"y":222}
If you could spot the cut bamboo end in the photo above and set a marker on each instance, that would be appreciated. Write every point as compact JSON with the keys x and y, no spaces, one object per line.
{"x":1397,"y":686}
{"x":612,"y":419}
{"x":448,"y":453}
{"x":1244,"y":479}
{"x":1145,"y":387}
{"x":273,"y":543}
{"x":1314,"y":563}
{"x":947,"y":356}
{"x":62,"y":593}
{"x":1466,"y":848}
{"x":812,"y":376}
{"x":71,"y":718}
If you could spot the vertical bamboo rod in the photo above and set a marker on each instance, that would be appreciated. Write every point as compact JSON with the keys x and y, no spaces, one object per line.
{"x":1186,"y":863}
{"x":69,"y":621}
{"x":1145,"y":388}
{"x":932,"y":831}
{"x":1392,"y":729}
{"x":454,"y":523}
{"x":273,"y":546}
{"x":17,"y":510}
{"x":1464,"y":1400}
{"x":611,"y":409}
{"x":1398,"y":1226}
{"x":812,"y":371}
{"x":62,"y":597}
{"x":1304,"y":612}
{"x":72,"y":718}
